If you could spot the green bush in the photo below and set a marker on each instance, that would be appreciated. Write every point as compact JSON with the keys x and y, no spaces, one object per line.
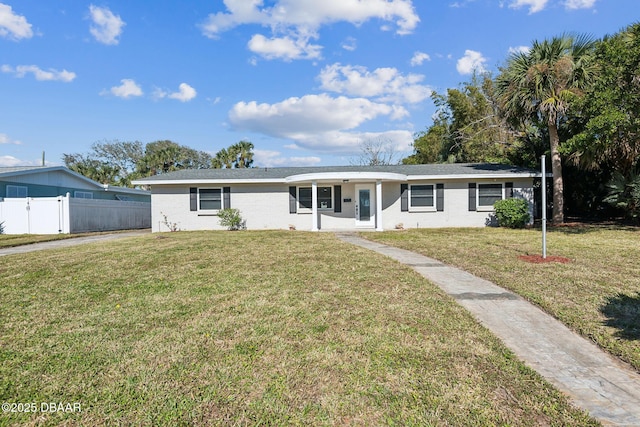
{"x":512,"y":213}
{"x":231,"y":219}
{"x":624,"y":194}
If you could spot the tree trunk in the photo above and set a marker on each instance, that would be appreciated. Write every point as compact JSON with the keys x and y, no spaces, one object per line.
{"x":556,"y":169}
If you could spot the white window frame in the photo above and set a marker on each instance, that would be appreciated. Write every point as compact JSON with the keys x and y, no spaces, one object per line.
{"x":211,"y":211}
{"x":83,"y":194}
{"x":431,"y":208}
{"x":304,"y":209}
{"x":487,"y":208}
{"x":17,"y":189}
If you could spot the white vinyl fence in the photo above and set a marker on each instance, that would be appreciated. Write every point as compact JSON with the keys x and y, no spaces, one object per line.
{"x":65,"y":214}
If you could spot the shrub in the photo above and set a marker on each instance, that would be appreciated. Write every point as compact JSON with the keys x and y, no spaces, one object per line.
{"x":231,"y":219}
{"x":172,"y":226}
{"x":512,"y":213}
{"x":624,"y":194}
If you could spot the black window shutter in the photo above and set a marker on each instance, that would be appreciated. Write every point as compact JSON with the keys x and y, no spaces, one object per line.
{"x":404,"y":197}
{"x":226,"y":197}
{"x":508,"y":190}
{"x":193,"y":198}
{"x":337,"y":196}
{"x":472,"y":196}
{"x":439,"y":197}
{"x":293,"y":203}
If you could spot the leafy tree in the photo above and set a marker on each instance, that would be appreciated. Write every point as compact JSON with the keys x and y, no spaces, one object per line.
{"x":432,"y":145}
{"x":117,"y":162}
{"x":109,"y":162}
{"x":239,"y":155}
{"x":94,"y":169}
{"x":467,"y":127}
{"x":123,"y":155}
{"x":167,"y":156}
{"x":478,"y":132}
{"x":610,"y":139}
{"x":544,"y":82}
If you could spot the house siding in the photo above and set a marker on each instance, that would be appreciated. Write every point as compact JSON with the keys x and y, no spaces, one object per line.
{"x":456,"y":205}
{"x":39,"y":190}
{"x":266,"y":206}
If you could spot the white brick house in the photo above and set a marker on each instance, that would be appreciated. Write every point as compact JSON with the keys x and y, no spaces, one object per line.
{"x":338,"y":197}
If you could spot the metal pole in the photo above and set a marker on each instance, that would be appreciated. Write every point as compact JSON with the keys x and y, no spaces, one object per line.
{"x":544,"y":208}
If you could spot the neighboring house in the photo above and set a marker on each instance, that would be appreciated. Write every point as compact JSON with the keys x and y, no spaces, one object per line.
{"x":55,"y":199}
{"x":338,"y":198}
{"x":52,"y":181}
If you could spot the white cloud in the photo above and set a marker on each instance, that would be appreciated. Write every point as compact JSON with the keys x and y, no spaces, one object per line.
{"x":184,"y":94}
{"x":310,"y":14}
{"x":159,"y":93}
{"x":271,"y":158}
{"x":106,"y":27}
{"x":533,"y":5}
{"x":294,"y":22}
{"x":419,"y":57}
{"x":284,"y":48}
{"x":10,"y":161}
{"x":579,"y":4}
{"x":350,"y":44}
{"x":129,"y":88}
{"x":42,"y":75}
{"x":470,"y":62}
{"x":351,"y":142}
{"x":519,"y":49}
{"x":384,"y":84}
{"x":4,"y":139}
{"x":317,"y":121}
{"x":12,"y":25}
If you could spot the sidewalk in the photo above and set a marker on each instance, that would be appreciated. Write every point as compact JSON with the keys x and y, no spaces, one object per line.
{"x":594,"y":381}
{"x":68,"y":242}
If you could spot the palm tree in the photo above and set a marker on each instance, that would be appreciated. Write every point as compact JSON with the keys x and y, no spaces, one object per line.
{"x":222,"y":159}
{"x":543,"y":82}
{"x":244,"y":152}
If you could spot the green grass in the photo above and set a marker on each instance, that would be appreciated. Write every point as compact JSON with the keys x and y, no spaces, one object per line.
{"x":251,"y":328}
{"x":596,"y":294}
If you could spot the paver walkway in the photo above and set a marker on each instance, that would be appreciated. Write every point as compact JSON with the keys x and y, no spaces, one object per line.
{"x":53,"y":244}
{"x":595,"y":381}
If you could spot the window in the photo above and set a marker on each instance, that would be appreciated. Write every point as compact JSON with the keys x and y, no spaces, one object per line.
{"x":421,"y":196}
{"x":324,"y":197}
{"x":16,"y":191}
{"x":488,"y":194}
{"x":83,"y":195}
{"x":210,"y":198}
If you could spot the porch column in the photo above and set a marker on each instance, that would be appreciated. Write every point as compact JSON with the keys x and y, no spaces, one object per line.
{"x":379,"y":205}
{"x":314,"y":205}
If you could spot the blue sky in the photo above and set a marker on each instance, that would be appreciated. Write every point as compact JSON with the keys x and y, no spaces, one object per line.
{"x":307,"y":81}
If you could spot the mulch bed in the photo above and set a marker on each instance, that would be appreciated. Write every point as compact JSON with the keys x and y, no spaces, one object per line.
{"x":537,"y":259}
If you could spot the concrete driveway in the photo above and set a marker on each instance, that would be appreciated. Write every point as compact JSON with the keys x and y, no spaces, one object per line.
{"x":74,"y":241}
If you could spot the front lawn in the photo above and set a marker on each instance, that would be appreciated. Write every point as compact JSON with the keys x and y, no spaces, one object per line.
{"x":251,"y":328}
{"x":596,"y":294}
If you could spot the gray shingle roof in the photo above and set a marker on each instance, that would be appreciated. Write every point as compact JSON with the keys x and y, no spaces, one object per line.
{"x":447,"y":169}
